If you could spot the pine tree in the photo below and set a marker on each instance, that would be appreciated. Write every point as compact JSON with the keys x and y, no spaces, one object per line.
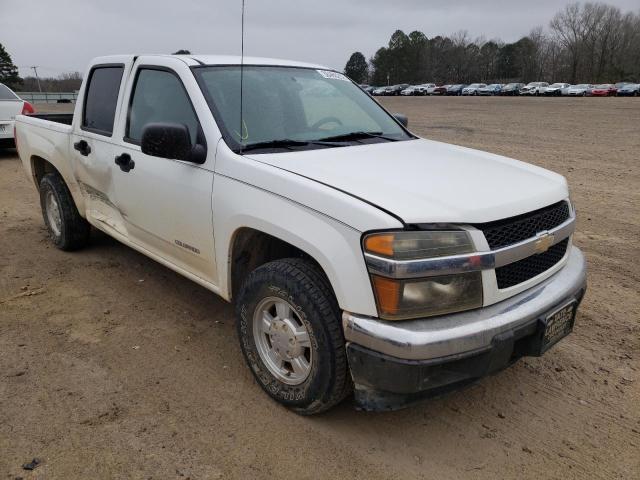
{"x":8,"y":71}
{"x":357,"y":68}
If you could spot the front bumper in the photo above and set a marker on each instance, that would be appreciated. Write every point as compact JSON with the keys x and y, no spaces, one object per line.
{"x":394,"y":364}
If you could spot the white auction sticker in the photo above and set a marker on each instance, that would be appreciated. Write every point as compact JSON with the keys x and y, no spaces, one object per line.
{"x":333,"y":75}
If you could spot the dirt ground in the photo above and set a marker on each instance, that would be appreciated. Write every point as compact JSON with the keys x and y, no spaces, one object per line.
{"x":112,"y":366}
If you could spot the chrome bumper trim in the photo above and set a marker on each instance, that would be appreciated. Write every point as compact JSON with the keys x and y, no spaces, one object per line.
{"x":458,"y":333}
{"x":469,"y":262}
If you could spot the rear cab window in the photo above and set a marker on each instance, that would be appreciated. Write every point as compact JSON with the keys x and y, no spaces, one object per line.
{"x":101,"y":99}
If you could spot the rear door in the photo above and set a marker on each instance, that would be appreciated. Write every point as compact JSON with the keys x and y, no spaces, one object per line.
{"x":166,"y":204}
{"x":92,"y":141}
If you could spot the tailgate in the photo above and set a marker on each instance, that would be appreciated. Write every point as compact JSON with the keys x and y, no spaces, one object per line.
{"x":9,"y":109}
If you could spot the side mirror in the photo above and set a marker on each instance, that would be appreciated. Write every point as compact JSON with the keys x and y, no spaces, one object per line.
{"x":171,"y":140}
{"x":402,"y":119}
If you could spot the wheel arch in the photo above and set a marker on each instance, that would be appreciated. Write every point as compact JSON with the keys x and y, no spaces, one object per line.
{"x":251,"y":248}
{"x":40,"y":166}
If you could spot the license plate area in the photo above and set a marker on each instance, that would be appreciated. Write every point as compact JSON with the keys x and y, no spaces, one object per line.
{"x":557,"y":325}
{"x":3,"y":127}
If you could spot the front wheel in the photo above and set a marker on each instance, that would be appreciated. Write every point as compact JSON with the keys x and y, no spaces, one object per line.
{"x":291,"y":335}
{"x":67,"y":229}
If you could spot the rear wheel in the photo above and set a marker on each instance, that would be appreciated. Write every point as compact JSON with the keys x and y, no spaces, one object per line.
{"x":67,"y":229}
{"x":291,"y":336}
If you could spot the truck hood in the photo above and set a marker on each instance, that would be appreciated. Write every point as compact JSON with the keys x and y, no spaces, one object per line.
{"x":423,"y":181}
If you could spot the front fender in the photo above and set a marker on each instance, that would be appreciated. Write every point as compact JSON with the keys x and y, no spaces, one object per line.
{"x":331,"y":243}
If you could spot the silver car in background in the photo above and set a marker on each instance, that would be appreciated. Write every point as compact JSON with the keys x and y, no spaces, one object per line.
{"x":534,"y":88}
{"x":556,"y":89}
{"x":473,"y":89}
{"x":579,"y":90}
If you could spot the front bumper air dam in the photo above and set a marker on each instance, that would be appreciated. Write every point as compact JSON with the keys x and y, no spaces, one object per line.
{"x":395,"y":364}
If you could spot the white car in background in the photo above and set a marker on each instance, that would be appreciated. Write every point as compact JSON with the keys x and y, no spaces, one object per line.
{"x":534,"y":88}
{"x":579,"y":90}
{"x":10,"y":106}
{"x":556,"y":89}
{"x":473,"y":89}
{"x":412,"y":90}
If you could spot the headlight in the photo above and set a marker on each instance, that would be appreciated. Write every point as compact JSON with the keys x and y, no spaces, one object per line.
{"x":420,"y":244}
{"x":406,"y":299}
{"x":402,"y":299}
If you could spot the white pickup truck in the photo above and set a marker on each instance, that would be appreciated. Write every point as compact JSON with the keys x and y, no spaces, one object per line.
{"x":359,"y":256}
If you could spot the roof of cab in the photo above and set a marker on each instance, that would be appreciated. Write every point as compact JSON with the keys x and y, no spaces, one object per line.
{"x":236,"y":60}
{"x":194,"y":60}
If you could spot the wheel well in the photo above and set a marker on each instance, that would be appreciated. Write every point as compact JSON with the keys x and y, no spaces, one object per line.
{"x":40,"y":167}
{"x":252,"y":248}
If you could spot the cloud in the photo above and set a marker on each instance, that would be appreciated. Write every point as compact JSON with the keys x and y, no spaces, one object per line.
{"x":64,"y":35}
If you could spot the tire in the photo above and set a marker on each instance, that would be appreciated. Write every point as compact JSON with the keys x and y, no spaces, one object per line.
{"x":67,"y":229}
{"x":301,"y":285}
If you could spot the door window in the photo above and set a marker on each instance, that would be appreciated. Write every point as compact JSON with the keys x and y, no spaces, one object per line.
{"x":101,"y":99}
{"x":159,"y":97}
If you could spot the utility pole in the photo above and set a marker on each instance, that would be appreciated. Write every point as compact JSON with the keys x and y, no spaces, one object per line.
{"x":35,"y":70}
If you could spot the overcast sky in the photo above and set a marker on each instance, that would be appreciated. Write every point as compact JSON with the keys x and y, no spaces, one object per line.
{"x":63,"y":35}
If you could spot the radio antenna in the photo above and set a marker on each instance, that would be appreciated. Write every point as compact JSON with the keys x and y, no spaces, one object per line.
{"x":241,"y":78}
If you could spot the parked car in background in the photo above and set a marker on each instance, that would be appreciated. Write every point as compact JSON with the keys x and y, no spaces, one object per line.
{"x":456,"y":89}
{"x":441,"y":90}
{"x":430,"y":88}
{"x":473,"y":89}
{"x":396,"y":89}
{"x":534,"y":88}
{"x":368,"y":88}
{"x":379,"y":91}
{"x":10,"y":106}
{"x":603,"y":90}
{"x":511,"y":89}
{"x":493,"y":89}
{"x":629,"y":90}
{"x":411,"y":90}
{"x":579,"y":90}
{"x":556,"y":89}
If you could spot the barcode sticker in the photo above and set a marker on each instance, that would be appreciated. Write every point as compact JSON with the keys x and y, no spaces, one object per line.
{"x":333,"y":75}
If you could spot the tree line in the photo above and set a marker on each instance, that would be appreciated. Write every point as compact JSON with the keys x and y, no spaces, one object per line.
{"x":590,"y":43}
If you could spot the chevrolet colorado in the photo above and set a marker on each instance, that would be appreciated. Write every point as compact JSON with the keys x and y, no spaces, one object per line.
{"x":360,"y":257}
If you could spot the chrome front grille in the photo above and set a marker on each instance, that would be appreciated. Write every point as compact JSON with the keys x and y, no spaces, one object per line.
{"x":516,"y":229}
{"x":502,"y":233}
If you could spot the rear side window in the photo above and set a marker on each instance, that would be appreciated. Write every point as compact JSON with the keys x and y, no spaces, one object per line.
{"x":159,"y":97}
{"x":7,"y":94}
{"x":101,"y":99}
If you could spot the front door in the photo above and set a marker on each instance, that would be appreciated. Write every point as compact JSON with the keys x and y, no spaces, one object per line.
{"x":166,"y":204}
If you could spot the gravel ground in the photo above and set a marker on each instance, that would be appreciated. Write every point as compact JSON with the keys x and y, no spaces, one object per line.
{"x":113,"y":366}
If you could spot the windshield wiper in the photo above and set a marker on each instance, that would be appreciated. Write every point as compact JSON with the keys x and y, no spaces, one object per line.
{"x":285,"y":143}
{"x":281,"y":143}
{"x":345,"y":137}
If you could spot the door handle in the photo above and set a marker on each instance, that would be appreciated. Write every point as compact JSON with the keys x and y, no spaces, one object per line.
{"x":125,"y":162}
{"x":83,"y":147}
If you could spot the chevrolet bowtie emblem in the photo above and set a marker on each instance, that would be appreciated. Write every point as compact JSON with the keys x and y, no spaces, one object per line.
{"x":544,"y":241}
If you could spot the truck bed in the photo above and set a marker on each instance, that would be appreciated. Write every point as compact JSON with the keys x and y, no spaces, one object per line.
{"x":64,"y":118}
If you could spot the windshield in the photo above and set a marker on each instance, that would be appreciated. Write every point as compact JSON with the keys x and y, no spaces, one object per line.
{"x":283,"y":105}
{"x":604,"y":86}
{"x":7,"y":94}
